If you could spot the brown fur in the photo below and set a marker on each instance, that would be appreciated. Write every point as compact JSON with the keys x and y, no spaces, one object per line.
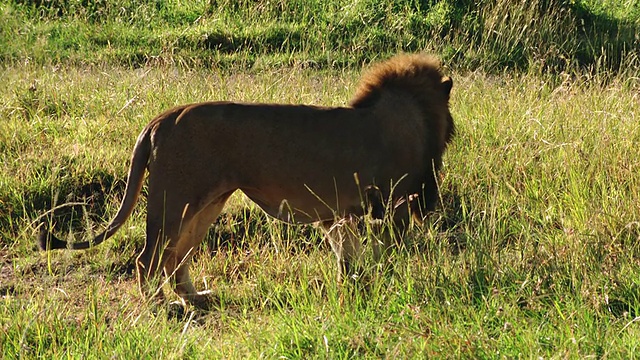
{"x":296,"y":162}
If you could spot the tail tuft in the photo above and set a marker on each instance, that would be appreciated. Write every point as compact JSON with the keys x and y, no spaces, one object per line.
{"x":48,"y":241}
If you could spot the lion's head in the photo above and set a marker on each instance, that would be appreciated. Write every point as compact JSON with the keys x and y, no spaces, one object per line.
{"x":417,"y":76}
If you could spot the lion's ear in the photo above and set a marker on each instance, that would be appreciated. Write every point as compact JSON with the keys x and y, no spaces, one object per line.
{"x":447,"y":84}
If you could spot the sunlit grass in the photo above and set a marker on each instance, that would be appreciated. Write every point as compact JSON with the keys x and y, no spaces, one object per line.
{"x":534,"y":252}
{"x":540,"y":35}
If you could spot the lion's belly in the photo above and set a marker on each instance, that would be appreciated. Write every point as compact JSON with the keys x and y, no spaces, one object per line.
{"x":303,"y":207}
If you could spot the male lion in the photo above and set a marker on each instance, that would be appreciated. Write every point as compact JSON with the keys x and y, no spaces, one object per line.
{"x":296,"y":162}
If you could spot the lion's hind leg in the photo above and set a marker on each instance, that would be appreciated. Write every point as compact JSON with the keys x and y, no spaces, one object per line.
{"x":148,"y":263}
{"x":190,"y":239}
{"x":165,"y":226}
{"x":185,"y":232}
{"x":172,"y":236}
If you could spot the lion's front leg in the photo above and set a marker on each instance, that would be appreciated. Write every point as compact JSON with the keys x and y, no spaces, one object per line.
{"x":425,"y":203}
{"x":345,"y":241}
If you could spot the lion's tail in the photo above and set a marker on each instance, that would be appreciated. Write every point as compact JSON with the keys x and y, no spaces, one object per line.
{"x":139,"y":160}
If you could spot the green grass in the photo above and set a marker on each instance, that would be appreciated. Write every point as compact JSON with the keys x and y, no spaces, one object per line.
{"x":533,"y":253}
{"x":543,"y":35}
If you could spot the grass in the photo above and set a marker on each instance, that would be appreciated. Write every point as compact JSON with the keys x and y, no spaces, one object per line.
{"x":534,"y":252}
{"x":543,"y":35}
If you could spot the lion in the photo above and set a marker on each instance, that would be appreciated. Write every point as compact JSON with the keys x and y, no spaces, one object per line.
{"x":299,"y":163}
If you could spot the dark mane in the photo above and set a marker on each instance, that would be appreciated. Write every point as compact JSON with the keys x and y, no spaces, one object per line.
{"x":410,"y":72}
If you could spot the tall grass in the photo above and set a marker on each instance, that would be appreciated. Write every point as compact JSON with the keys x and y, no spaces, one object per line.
{"x":533,"y":252}
{"x":541,"y":35}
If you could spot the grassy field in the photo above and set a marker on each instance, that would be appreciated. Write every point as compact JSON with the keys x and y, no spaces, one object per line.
{"x":538,"y":35}
{"x":534,"y":251}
